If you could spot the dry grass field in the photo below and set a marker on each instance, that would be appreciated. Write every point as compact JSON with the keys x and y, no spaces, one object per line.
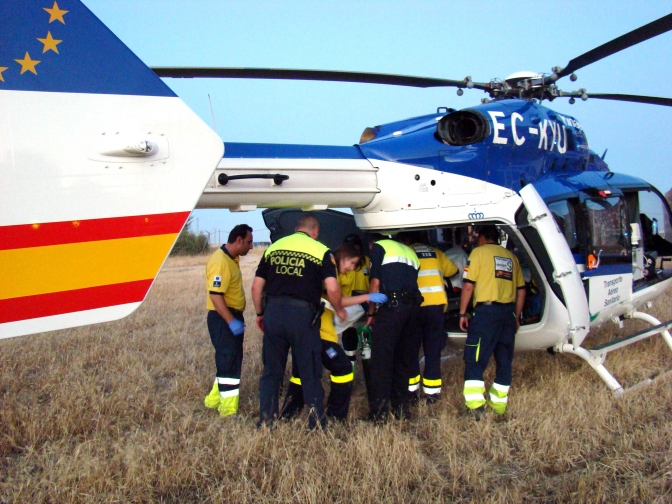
{"x":114,"y":413}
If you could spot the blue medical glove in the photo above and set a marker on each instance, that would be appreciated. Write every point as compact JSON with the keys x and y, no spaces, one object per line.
{"x":237,"y":327}
{"x":377,"y":297}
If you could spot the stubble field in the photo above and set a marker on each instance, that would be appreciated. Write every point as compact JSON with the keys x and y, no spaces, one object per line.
{"x":114,"y":413}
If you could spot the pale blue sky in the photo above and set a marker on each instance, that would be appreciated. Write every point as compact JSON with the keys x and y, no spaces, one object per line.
{"x":425,"y":38}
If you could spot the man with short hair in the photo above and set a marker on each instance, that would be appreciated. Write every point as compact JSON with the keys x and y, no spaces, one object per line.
{"x":494,"y":278}
{"x":291,"y":274}
{"x":225,"y":302}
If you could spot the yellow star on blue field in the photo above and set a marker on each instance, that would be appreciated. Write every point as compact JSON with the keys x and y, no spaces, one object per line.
{"x":55,"y":13}
{"x":50,"y":43}
{"x":27,"y":64}
{"x":2,"y":69}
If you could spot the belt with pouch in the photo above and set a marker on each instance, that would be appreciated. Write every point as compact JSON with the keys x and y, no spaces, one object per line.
{"x":291,"y":301}
{"x":404,"y":297}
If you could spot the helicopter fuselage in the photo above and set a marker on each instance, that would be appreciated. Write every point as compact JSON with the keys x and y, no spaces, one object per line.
{"x":463,"y":168}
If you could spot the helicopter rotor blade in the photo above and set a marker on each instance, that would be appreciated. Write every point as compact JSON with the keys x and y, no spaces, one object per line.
{"x":315,"y":75}
{"x":653,"y":100}
{"x":630,"y":39}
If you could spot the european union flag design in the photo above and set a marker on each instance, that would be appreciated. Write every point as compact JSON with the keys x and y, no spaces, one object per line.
{"x":60,"y":46}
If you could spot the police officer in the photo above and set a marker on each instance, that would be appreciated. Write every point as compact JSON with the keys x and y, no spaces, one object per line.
{"x":225,"y":301}
{"x":394,"y":272}
{"x":291,"y":274}
{"x":494,"y":278}
{"x":434,"y":267}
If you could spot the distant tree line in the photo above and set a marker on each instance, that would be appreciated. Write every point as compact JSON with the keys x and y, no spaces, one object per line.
{"x":190,"y":243}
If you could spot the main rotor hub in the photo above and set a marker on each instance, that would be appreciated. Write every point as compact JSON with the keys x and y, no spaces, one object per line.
{"x":514,"y":80}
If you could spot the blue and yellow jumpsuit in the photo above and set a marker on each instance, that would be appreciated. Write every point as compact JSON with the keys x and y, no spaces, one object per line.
{"x":496,"y":275}
{"x":434,"y":266}
{"x":356,"y":280}
{"x":223,"y":278}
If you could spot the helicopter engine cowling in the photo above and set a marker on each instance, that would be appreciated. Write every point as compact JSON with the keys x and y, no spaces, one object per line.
{"x":464,"y":127}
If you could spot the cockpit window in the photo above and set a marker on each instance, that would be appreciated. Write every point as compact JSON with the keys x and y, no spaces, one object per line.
{"x":608,"y":226}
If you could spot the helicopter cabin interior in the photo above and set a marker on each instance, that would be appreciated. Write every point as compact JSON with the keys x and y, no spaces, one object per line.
{"x":613,"y":224}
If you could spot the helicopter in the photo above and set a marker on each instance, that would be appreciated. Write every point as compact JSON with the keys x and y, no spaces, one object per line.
{"x":594,"y":242}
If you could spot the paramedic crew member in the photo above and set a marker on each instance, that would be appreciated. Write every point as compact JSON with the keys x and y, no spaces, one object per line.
{"x":434,"y":267}
{"x":291,"y":274}
{"x":494,"y":277}
{"x":353,"y":281}
{"x":225,"y":301}
{"x":394,"y":272}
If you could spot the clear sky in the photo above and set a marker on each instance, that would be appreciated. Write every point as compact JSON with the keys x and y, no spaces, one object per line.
{"x":483,"y":39}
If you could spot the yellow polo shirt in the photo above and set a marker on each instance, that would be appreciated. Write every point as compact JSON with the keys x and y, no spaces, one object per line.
{"x":222,"y":275}
{"x":495,"y":273}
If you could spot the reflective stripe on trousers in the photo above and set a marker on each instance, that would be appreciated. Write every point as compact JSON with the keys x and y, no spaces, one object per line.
{"x":414,"y":383}
{"x":499,"y":397}
{"x":474,"y":391}
{"x":431,"y":387}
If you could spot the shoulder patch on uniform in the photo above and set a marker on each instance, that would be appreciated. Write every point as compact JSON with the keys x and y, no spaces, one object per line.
{"x":217,"y":281}
{"x":503,"y":268}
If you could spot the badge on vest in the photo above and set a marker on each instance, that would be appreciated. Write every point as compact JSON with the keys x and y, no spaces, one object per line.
{"x":503,"y":268}
{"x":217,"y":282}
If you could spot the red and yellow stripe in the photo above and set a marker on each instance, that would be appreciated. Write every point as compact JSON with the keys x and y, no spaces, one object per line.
{"x":64,"y":267}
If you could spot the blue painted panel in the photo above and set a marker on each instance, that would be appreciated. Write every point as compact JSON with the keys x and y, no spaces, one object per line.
{"x":290,"y":151}
{"x":90,"y":58}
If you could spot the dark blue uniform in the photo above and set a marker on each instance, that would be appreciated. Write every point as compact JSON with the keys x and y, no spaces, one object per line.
{"x":294,"y":269}
{"x":396,"y":327}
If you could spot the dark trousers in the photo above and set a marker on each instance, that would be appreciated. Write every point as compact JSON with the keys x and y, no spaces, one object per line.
{"x":395,"y":334}
{"x":433,"y":341}
{"x":287,"y":326}
{"x":228,"y":350}
{"x":350,"y":343}
{"x":340,"y":368}
{"x":492,"y":331}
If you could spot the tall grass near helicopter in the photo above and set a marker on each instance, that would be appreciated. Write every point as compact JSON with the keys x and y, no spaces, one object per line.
{"x":114,"y":412}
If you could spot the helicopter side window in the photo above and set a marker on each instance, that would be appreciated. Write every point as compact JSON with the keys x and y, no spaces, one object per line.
{"x":608,"y":228}
{"x":563,"y":213}
{"x":655,"y":222}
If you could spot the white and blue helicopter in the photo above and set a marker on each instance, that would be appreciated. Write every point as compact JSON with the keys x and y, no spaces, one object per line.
{"x":111,"y":186}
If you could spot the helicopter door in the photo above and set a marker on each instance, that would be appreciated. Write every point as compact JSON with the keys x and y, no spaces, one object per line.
{"x":334,"y":225}
{"x":565,"y":273}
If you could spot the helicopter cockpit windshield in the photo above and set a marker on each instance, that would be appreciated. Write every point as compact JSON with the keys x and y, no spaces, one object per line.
{"x":608,"y":229}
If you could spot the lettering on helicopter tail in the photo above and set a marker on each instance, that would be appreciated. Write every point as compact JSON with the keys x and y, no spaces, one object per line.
{"x":518,"y":140}
{"x":608,"y":290}
{"x":543,"y":135}
{"x":552,"y":134}
{"x":497,"y":127}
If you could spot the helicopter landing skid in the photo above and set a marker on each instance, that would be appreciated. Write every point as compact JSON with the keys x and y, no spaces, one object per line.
{"x":596,"y":356}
